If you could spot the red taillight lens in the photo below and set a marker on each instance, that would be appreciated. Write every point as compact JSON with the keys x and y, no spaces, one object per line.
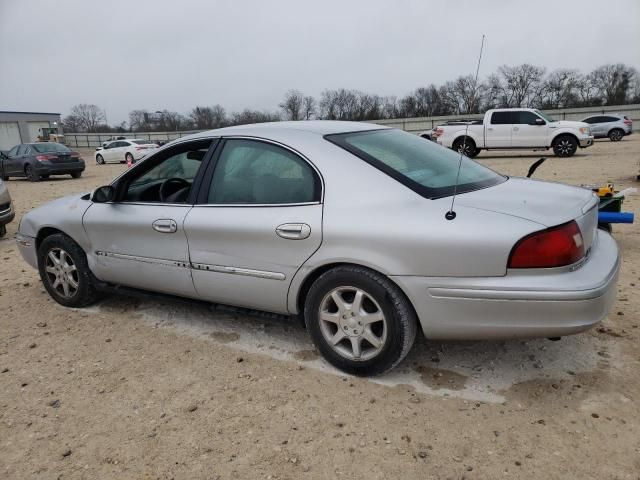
{"x":41,"y":158}
{"x":438,"y":131}
{"x":554,"y":247}
{"x":75,"y":155}
{"x":628,"y":122}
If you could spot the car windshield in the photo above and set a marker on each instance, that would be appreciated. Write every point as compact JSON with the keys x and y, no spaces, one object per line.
{"x":426,"y":168}
{"x":545,"y":116}
{"x":50,"y":147}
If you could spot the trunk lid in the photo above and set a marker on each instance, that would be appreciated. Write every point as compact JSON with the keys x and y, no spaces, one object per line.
{"x":546,"y":203}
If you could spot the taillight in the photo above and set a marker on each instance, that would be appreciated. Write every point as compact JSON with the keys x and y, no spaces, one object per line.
{"x":140,"y":148}
{"x":628,"y":122}
{"x":42,"y":158}
{"x":438,"y":131}
{"x":554,"y":247}
{"x":75,"y":155}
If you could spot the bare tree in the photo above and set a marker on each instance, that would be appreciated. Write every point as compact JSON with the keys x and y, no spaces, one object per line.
{"x":293,"y":104}
{"x":560,"y":89}
{"x":253,"y":116}
{"x":89,"y":116}
{"x":309,"y":107}
{"x":138,"y":120}
{"x":612,"y":82}
{"x":521,"y":84}
{"x":71,"y":123}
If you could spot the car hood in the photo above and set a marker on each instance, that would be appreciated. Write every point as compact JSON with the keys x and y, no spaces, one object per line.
{"x":569,"y":124}
{"x":546,"y":203}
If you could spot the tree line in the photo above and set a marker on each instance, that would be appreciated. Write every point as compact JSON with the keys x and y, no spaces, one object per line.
{"x":510,"y":86}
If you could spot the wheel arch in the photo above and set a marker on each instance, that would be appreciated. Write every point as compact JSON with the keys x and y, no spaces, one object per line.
{"x":564,"y":134}
{"x":299,"y":293}
{"x":460,"y":136}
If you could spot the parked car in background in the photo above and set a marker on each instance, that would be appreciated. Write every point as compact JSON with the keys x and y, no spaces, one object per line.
{"x":129,"y":150}
{"x":287,"y":217}
{"x":113,"y":139}
{"x":6,"y":208}
{"x":614,"y":126}
{"x":514,"y":129}
{"x":37,"y":161}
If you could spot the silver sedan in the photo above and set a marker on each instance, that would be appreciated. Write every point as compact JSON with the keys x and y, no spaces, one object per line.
{"x":348,"y":225}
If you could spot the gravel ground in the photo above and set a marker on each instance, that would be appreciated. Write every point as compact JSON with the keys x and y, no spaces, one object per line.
{"x":135,"y":388}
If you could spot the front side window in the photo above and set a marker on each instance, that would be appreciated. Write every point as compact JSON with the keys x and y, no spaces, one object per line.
{"x":428,"y":169}
{"x":524,"y":117}
{"x":14,"y":151}
{"x":168,"y":176}
{"x":501,"y":118}
{"x":253,"y":172}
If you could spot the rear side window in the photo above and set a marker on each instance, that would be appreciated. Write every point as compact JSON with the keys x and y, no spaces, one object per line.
{"x":22,"y":149}
{"x":253,"y":172}
{"x":426,"y":168}
{"x":611,"y":119}
{"x":501,"y":118}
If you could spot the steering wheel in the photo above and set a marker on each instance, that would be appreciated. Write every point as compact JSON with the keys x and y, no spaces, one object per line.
{"x":179,"y":182}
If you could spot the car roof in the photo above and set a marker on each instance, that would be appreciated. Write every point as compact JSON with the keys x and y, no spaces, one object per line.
{"x":318,"y":127}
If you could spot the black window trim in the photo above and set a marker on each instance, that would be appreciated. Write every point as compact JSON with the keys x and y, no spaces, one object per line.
{"x":122,"y":182}
{"x":202,"y":199}
{"x":426,"y":192}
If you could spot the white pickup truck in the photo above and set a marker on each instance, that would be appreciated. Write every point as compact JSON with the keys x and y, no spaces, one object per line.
{"x":515,"y":128}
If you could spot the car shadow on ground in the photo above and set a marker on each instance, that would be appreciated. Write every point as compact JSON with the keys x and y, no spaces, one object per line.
{"x":474,"y":370}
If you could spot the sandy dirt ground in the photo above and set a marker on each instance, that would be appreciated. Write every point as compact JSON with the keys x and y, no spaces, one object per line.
{"x":146,"y":389}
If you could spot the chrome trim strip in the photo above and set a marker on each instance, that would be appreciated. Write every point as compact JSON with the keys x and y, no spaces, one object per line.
{"x":240,"y":271}
{"x":155,"y":261}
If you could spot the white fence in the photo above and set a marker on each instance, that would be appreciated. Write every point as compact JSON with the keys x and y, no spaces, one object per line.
{"x":414,"y":125}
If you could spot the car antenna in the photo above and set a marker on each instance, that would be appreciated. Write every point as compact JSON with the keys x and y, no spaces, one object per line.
{"x":451,"y":214}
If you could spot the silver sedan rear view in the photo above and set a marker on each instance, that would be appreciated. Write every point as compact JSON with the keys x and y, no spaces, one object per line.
{"x":340,"y":223}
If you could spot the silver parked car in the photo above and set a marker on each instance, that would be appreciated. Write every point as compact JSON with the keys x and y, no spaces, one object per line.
{"x":614,"y":126}
{"x":6,"y":208}
{"x":341,"y":223}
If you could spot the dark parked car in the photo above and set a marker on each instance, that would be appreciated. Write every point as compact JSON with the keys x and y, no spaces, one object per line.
{"x":6,"y":208}
{"x":39,"y":160}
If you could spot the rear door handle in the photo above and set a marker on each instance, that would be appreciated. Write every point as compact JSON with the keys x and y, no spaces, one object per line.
{"x":293,"y":231}
{"x":515,"y":129}
{"x":165,"y":225}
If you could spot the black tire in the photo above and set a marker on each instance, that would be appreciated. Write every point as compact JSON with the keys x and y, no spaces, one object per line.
{"x":76,"y":174}
{"x":466,"y":147}
{"x":5,"y":178}
{"x":30,"y":173}
{"x":398,"y":316}
{"x":44,"y":177}
{"x":99,"y":159}
{"x":3,"y":230}
{"x":86,"y":293}
{"x":616,"y":135}
{"x":565,"y":146}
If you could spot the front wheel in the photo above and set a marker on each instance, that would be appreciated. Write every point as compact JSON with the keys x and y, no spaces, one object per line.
{"x":99,"y":159}
{"x":65,"y":273}
{"x":466,"y":146}
{"x":76,"y":174}
{"x":616,"y":135}
{"x":565,"y":146}
{"x":3,"y":230}
{"x":359,"y":320}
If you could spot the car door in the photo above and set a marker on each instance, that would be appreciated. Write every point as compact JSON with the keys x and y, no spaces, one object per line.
{"x":107,"y":151}
{"x":597,"y":126}
{"x":498,"y":132}
{"x":139,"y":239}
{"x":9,"y":163}
{"x":529,"y":130}
{"x":257,"y":220}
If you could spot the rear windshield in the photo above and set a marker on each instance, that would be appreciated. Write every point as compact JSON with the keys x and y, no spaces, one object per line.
{"x":50,"y":147}
{"x":426,"y":168}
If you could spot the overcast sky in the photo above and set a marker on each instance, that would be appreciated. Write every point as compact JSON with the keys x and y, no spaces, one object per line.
{"x":125,"y":55}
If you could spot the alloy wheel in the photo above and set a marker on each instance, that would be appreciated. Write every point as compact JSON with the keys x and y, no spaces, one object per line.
{"x":565,"y":147}
{"x":62,"y":273}
{"x":352,"y":323}
{"x":616,"y":135}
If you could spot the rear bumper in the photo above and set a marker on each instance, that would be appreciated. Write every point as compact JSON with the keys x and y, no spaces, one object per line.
{"x":48,"y":168}
{"x":541,"y":303}
{"x":586,"y":142}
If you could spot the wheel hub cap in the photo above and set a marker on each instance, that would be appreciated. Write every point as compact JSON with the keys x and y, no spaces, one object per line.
{"x":62,"y":273}
{"x":352,"y":323}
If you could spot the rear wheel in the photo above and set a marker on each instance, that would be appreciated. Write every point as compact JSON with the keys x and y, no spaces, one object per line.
{"x":99,"y":159}
{"x":616,"y":135}
{"x":565,"y":146}
{"x":65,"y":273}
{"x":359,"y":320}
{"x":30,"y":173}
{"x":44,"y":177}
{"x":3,"y":230}
{"x":76,"y":174}
{"x":466,"y":146}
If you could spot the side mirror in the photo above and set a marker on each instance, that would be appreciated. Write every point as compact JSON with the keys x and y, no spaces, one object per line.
{"x":103,"y":194}
{"x":540,"y":121}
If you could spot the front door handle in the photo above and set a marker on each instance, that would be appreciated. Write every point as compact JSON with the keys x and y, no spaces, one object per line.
{"x":165,"y":225}
{"x":293,"y":231}
{"x":515,"y":129}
